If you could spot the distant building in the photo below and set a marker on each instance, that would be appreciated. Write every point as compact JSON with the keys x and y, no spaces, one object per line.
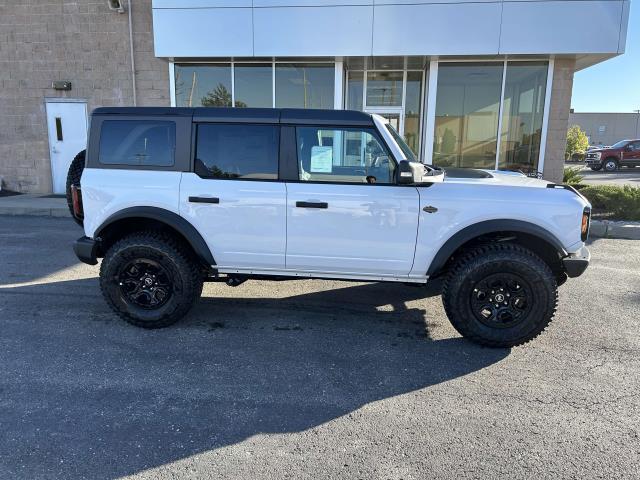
{"x":607,"y":128}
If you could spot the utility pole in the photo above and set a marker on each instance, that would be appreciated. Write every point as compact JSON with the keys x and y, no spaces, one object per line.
{"x":637,"y":118}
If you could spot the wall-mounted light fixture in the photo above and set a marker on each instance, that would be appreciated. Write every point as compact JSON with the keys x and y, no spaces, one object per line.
{"x":61,"y":85}
{"x":116,"y":5}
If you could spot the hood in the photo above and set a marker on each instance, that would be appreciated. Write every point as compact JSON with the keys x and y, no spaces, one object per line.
{"x":492,"y":177}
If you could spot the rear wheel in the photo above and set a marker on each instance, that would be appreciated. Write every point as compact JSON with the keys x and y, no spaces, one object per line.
{"x":73,"y":178}
{"x":610,"y":164}
{"x":500,"y":295}
{"x":150,"y":280}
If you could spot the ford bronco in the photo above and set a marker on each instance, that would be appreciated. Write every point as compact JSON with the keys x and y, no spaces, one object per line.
{"x":172,"y":197}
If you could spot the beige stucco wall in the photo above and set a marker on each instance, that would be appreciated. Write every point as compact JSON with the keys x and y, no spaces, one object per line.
{"x":82,"y":42}
{"x":558,"y":119}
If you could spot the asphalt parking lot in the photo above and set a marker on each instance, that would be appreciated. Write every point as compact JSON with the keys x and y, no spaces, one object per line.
{"x":623,"y":176}
{"x":308,"y":379}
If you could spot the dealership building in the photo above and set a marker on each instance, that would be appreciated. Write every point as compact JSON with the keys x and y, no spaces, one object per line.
{"x":482,"y":83}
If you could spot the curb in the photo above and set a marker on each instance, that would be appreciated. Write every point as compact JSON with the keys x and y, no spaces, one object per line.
{"x":610,"y":229}
{"x":35,"y":212}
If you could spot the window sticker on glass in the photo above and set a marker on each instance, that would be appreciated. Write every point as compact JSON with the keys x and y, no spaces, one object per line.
{"x":321,"y":159}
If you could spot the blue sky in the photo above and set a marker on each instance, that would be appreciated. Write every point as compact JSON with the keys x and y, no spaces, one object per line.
{"x":614,"y":85}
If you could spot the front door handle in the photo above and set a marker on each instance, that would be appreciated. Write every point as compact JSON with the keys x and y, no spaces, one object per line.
{"x":204,"y":199}
{"x":430,"y":209}
{"x":312,"y":205}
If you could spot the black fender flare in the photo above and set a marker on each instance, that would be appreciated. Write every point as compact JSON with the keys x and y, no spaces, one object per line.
{"x":169,"y":218}
{"x":485,"y":228}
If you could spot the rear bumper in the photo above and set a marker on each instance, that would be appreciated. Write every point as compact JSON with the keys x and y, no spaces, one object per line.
{"x":86,"y":249}
{"x":576,"y":263}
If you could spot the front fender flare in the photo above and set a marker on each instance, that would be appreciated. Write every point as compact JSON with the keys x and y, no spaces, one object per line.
{"x":485,"y":228}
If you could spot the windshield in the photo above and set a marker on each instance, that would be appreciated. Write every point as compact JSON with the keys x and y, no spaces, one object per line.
{"x":408,"y":153}
{"x":619,"y":144}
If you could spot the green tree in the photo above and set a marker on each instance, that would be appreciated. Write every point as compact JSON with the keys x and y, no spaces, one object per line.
{"x":577,"y":141}
{"x":220,"y":97}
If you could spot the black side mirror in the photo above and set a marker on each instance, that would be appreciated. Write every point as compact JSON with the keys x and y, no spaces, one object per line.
{"x":406,"y":173}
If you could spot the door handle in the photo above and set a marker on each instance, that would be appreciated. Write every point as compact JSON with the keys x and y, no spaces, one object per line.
{"x":204,"y":199}
{"x":312,"y":205}
{"x":430,"y":209}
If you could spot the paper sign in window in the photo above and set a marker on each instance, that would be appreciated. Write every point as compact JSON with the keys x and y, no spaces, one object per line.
{"x":321,"y":159}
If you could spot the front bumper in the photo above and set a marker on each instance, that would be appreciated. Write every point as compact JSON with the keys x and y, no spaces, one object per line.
{"x":86,"y":249}
{"x":576,"y":263}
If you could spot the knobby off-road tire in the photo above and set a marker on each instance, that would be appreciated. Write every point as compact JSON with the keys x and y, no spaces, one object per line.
{"x":150,"y":279}
{"x":73,"y":178}
{"x":500,"y":295}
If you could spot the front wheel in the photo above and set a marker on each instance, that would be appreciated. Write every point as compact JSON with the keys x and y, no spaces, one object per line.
{"x":500,"y":295}
{"x":610,"y":165}
{"x":149,"y":279}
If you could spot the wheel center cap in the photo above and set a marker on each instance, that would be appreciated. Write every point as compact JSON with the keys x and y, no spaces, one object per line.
{"x":148,"y":281}
{"x":499,"y":298}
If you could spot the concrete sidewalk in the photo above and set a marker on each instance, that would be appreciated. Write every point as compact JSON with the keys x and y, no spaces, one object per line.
{"x":45,"y":206}
{"x":35,"y":205}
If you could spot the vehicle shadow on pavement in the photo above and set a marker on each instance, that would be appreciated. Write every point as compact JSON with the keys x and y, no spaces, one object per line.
{"x":84,"y":395}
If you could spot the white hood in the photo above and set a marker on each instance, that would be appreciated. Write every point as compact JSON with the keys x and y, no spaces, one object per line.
{"x":494,"y":177}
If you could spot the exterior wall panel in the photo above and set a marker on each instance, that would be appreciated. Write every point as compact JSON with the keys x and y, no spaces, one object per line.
{"x":427,"y":29}
{"x":560,"y":27}
{"x":313,"y":31}
{"x":202,"y":32}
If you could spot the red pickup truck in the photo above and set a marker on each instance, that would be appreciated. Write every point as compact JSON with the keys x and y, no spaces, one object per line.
{"x":625,"y":153}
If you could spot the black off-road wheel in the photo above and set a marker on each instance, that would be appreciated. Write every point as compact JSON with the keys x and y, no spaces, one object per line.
{"x":150,"y":279}
{"x":73,"y":178}
{"x":500,"y":295}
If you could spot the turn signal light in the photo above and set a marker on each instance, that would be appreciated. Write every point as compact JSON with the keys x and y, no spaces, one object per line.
{"x":584,"y":229}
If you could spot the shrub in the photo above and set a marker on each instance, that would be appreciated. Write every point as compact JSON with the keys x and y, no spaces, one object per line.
{"x":572,"y":175}
{"x":619,"y":202}
{"x":577,"y":141}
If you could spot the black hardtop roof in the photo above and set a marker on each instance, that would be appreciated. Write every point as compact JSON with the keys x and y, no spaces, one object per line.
{"x":296,"y":116}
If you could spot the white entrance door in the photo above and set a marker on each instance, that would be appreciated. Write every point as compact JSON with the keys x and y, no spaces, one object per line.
{"x":67,"y":126}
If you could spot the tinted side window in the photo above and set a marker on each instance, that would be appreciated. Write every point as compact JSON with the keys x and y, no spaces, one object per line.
{"x":343,"y":155}
{"x":239,"y":151}
{"x":138,"y":142}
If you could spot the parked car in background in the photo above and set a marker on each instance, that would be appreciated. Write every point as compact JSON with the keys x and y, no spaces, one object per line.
{"x":625,"y":153}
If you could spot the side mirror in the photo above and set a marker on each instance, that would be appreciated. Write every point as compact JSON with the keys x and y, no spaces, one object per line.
{"x":409,"y":172}
{"x":628,"y":148}
{"x":417,"y":173}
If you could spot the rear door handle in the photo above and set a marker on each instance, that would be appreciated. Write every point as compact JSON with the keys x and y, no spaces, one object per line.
{"x":312,"y":205}
{"x":204,"y":199}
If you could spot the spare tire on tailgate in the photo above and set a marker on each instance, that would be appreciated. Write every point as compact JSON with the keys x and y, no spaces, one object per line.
{"x":73,"y":178}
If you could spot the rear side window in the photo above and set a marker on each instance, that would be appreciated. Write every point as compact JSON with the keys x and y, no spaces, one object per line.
{"x":240,"y":151}
{"x":138,"y":142}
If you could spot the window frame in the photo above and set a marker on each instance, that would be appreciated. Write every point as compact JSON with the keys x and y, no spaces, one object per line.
{"x":182,"y":155}
{"x":372,"y":130}
{"x":194,"y":150}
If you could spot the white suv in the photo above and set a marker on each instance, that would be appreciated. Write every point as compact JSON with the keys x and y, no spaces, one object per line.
{"x":172,"y":197}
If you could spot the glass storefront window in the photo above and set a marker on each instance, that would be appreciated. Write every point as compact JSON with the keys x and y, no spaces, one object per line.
{"x":522,"y":113}
{"x":355,"y":84}
{"x":412,"y":110}
{"x":467,"y":111}
{"x":384,"y":89}
{"x":203,"y":85}
{"x":253,"y":85}
{"x":305,"y":85}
